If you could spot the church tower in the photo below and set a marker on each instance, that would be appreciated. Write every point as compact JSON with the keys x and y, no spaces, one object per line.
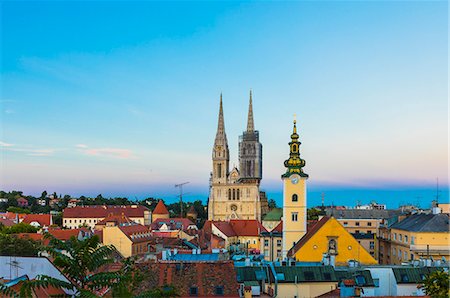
{"x":250,"y":150}
{"x":220,"y":154}
{"x":294,"y":196}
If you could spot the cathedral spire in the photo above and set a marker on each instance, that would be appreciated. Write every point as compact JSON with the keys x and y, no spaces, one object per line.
{"x":250,"y":123}
{"x":221,"y":136}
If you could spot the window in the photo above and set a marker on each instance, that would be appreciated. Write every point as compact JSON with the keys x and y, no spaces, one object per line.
{"x":278,"y":242}
{"x":412,"y":257}
{"x":360,"y":280}
{"x":294,"y":216}
{"x":345,"y":223}
{"x":357,"y":231}
{"x":219,"y":170}
{"x":372,"y":245}
{"x":404,"y":278}
{"x":278,"y":253}
{"x":238,"y":194}
{"x":219,"y":291}
{"x":266,"y":242}
{"x":376,"y":282}
{"x":406,"y":239}
{"x":193,"y":291}
{"x":254,"y":241}
{"x":400,"y":236}
{"x":234,"y":194}
{"x":357,"y":223}
{"x":394,"y":252}
{"x":395,"y":236}
{"x":412,"y":239}
{"x":405,"y":257}
{"x":229,"y":194}
{"x":369,"y":224}
{"x":294,"y":198}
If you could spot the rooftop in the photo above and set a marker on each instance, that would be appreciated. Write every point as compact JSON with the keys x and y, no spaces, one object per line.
{"x":424,"y":223}
{"x":102,"y":211}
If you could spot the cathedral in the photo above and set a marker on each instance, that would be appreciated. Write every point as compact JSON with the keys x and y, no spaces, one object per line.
{"x":235,"y":194}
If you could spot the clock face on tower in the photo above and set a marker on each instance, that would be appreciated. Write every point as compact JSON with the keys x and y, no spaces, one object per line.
{"x":294,"y":179}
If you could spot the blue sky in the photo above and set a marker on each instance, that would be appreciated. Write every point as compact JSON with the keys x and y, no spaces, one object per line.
{"x":121,"y":98}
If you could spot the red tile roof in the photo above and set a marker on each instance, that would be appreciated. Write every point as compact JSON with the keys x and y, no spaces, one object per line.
{"x":116,"y":218}
{"x":160,"y":208}
{"x":12,"y":215}
{"x":247,"y":227}
{"x":240,"y":227}
{"x":6,"y":222}
{"x":34,"y":237}
{"x":42,"y":219}
{"x":136,"y":233}
{"x":64,"y":235}
{"x":278,"y":228}
{"x":308,"y":235}
{"x":101,"y":211}
{"x":206,"y":276}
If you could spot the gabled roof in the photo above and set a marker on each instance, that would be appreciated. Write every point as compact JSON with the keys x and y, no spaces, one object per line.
{"x":424,"y":223}
{"x":308,"y":235}
{"x":278,"y":228}
{"x":192,"y":210}
{"x":225,"y":228}
{"x":160,"y":208}
{"x":6,"y":222}
{"x":42,"y":219}
{"x":64,"y":235}
{"x":247,"y":227}
{"x":102,"y":211}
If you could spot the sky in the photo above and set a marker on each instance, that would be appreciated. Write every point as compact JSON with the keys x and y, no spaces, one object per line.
{"x":122,"y":98}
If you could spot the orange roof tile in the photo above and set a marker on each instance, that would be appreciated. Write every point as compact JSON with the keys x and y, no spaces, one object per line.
{"x":247,"y":227}
{"x":117,"y":218}
{"x":42,"y":219}
{"x":160,"y":208}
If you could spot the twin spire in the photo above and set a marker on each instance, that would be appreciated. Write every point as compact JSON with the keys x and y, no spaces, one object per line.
{"x":221,"y":123}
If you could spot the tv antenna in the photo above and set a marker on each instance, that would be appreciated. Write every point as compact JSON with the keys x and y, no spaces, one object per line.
{"x":180,"y":186}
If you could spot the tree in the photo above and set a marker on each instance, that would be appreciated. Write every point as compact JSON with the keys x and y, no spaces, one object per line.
{"x":14,"y":246}
{"x":436,"y":284}
{"x":18,"y":210}
{"x":44,"y":194}
{"x":19,"y":228}
{"x":272,"y":204}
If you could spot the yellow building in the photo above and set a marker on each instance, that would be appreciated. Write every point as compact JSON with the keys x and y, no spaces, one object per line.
{"x":328,"y":237}
{"x":235,"y":194}
{"x":294,"y":196}
{"x":419,"y":236}
{"x":129,"y":240}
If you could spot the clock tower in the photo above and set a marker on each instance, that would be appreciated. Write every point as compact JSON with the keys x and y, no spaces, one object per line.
{"x":294,"y":195}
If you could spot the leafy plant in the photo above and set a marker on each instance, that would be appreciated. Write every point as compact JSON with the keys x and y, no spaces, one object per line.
{"x":436,"y":284}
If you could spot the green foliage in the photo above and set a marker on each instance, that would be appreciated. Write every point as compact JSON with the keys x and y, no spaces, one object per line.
{"x":19,"y":228}
{"x":80,"y":262}
{"x":14,"y":246}
{"x":436,"y":284}
{"x":272,"y":204}
{"x":18,"y":210}
{"x":314,"y":213}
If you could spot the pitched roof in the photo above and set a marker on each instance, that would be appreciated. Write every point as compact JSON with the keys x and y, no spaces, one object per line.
{"x":415,"y":275}
{"x":424,"y":223}
{"x":274,"y":215}
{"x":101,"y":211}
{"x":290,"y":274}
{"x":248,"y":274}
{"x":160,"y":208}
{"x":362,"y":213}
{"x":42,"y":219}
{"x":6,"y":222}
{"x":136,"y":233}
{"x":64,"y":235}
{"x":172,"y":223}
{"x":278,"y":228}
{"x":308,"y":235}
{"x":12,"y":215}
{"x":247,"y":227}
{"x":225,"y":228}
{"x":119,"y":219}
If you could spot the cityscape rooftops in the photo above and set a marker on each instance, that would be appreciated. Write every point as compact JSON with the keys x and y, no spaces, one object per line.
{"x":160,"y":208}
{"x":424,"y":223}
{"x":41,"y":219}
{"x":362,"y":213}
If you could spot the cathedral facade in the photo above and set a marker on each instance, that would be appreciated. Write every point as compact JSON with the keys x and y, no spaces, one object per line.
{"x":235,"y":194}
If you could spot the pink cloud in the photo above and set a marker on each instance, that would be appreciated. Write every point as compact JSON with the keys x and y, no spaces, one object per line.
{"x":110,"y":152}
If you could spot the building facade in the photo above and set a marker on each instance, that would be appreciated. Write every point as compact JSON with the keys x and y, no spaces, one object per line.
{"x":235,"y":194}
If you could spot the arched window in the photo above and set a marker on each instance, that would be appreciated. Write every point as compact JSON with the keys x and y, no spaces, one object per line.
{"x":294,"y":148}
{"x":294,"y":198}
{"x":238,"y":194}
{"x":219,"y":170}
{"x":234,"y":194}
{"x":229,"y":194}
